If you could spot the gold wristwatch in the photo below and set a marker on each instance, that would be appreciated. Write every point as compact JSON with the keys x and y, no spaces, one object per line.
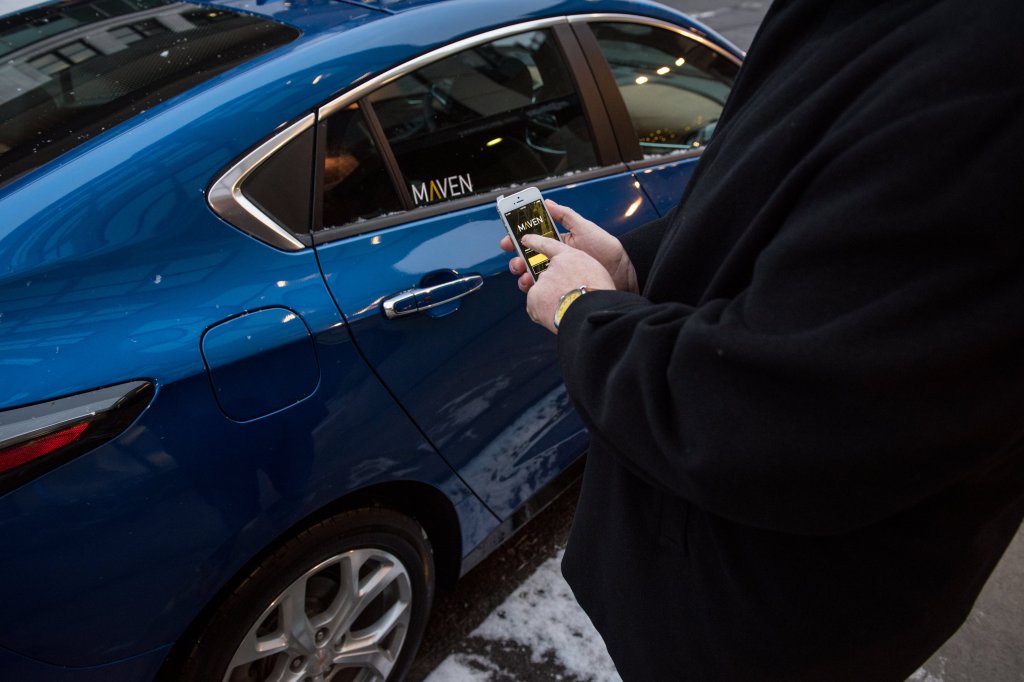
{"x":566,"y":301}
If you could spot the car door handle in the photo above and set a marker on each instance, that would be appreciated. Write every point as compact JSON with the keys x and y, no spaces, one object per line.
{"x":418,"y":300}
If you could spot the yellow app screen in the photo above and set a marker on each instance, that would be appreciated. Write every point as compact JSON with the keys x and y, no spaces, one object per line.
{"x":532,"y":219}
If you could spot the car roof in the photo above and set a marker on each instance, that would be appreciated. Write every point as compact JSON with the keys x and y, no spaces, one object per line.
{"x":312,"y":17}
{"x":345,"y":42}
{"x":342,"y":43}
{"x":316,"y":17}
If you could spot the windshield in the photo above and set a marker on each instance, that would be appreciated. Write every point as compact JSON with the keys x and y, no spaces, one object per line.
{"x":71,"y":70}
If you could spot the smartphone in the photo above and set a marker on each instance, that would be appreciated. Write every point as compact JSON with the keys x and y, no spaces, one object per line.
{"x":525,"y":213}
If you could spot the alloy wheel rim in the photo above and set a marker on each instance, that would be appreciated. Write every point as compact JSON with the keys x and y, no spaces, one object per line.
{"x":344,"y":620}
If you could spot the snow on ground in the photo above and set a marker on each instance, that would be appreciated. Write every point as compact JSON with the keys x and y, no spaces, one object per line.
{"x":541,"y":622}
{"x":923,"y":675}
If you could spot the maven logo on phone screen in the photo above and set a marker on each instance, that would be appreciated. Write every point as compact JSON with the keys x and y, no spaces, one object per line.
{"x":532,"y":219}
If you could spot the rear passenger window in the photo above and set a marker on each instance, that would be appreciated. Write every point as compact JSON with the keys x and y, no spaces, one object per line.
{"x":492,"y":116}
{"x":281,"y":185}
{"x":356,"y":183}
{"x":674,"y":87}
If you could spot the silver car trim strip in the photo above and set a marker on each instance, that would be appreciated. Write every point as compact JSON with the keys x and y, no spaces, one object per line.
{"x":227,"y":200}
{"x":650,"y":21}
{"x":364,"y":88}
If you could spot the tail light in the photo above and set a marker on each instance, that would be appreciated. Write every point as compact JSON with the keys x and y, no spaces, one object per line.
{"x":36,"y":438}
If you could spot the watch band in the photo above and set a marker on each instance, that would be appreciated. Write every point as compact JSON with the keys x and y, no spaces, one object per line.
{"x":567,"y":300}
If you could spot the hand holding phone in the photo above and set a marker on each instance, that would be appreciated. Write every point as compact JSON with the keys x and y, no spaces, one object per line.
{"x":525,"y":213}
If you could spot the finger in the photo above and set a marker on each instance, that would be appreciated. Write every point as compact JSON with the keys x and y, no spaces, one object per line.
{"x":525,"y":282}
{"x":506,"y":244}
{"x":517,"y":266}
{"x":546,"y":245}
{"x":555,"y":209}
{"x":557,"y":212}
{"x":570,"y":219}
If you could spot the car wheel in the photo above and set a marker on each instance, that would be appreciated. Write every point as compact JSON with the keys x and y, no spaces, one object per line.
{"x":346,"y":600}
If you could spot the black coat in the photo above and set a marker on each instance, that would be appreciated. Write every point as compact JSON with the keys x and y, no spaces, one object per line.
{"x":807,"y":431}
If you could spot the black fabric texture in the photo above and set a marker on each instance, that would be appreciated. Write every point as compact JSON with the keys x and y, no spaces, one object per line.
{"x":807,"y":431}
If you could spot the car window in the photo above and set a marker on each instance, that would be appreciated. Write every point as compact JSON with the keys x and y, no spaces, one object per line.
{"x":282,"y":185}
{"x":356,"y":183}
{"x":72,"y":70}
{"x":497,"y":115}
{"x":674,"y":87}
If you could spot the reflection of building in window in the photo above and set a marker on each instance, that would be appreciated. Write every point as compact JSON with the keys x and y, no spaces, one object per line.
{"x":71,"y":70}
{"x":77,"y":33}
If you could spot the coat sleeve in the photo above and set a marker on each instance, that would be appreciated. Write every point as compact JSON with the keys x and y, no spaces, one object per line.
{"x":875,"y":357}
{"x":642,"y":244}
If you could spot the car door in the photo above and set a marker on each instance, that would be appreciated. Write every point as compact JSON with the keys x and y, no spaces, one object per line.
{"x":407,"y":236}
{"x":666,"y":88}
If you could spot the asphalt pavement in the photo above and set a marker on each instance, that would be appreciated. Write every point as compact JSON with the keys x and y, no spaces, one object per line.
{"x":988,"y":648}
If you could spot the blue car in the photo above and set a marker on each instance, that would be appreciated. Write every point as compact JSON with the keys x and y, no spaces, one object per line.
{"x":265,"y":379}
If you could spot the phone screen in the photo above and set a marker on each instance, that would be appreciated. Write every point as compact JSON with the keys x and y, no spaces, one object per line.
{"x":532,"y":219}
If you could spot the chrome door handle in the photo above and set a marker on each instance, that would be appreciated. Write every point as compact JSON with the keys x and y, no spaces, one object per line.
{"x":418,"y":300}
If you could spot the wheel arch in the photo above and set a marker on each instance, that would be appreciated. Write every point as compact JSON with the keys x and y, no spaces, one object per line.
{"x":430,"y":507}
{"x":424,"y":503}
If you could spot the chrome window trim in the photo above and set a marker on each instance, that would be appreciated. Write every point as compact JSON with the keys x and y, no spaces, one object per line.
{"x":225,"y":196}
{"x":397,"y":72}
{"x":657,"y":23}
{"x":226,"y":199}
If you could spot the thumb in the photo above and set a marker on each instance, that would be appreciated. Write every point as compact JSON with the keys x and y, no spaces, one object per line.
{"x":546,"y":245}
{"x":569,"y":218}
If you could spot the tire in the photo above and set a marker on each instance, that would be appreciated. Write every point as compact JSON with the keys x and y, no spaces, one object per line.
{"x":341,"y":634}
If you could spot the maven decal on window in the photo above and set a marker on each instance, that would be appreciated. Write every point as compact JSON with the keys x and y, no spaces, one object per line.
{"x":440,"y":189}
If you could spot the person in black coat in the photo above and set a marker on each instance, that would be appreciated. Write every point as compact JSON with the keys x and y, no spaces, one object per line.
{"x":805,"y":386}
